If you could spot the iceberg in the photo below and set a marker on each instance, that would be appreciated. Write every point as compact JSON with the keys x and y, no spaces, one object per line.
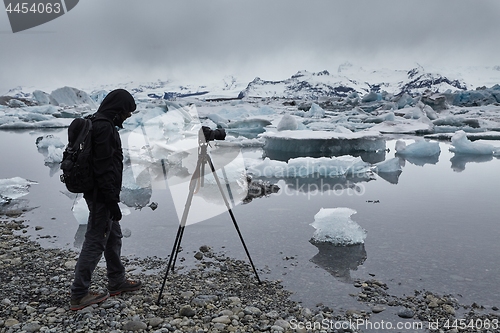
{"x":41,"y":97}
{"x":252,"y":125}
{"x":462,"y":145}
{"x":51,"y":148}
{"x":287,"y":123}
{"x":47,"y":141}
{"x":388,"y":166}
{"x":315,"y":112}
{"x":308,"y":167}
{"x":13,"y":188}
{"x":420,"y":148}
{"x":389,"y":170}
{"x":457,"y":121}
{"x":81,"y":211}
{"x":326,"y":142}
{"x":381,"y":118}
{"x":405,"y":126}
{"x":335,"y":226}
{"x":54,"y":155}
{"x":67,"y":96}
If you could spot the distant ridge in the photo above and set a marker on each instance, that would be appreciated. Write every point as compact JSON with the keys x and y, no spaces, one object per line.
{"x":347,"y":81}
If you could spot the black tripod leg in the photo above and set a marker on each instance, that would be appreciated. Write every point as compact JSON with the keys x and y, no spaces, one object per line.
{"x":178,"y":247}
{"x":232,"y":216}
{"x":182,"y":225}
{"x":175,"y":249}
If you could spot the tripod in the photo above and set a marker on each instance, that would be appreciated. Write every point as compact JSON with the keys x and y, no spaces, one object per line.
{"x":198,"y":174}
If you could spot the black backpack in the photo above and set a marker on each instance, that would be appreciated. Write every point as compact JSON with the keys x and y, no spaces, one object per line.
{"x":76,"y":165}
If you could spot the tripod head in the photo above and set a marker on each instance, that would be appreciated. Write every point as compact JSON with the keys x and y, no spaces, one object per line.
{"x":206,"y":134}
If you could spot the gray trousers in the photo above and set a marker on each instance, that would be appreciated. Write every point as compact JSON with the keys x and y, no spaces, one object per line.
{"x":102,"y":236}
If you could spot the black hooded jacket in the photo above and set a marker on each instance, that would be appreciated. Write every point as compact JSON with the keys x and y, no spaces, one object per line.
{"x":106,"y":146}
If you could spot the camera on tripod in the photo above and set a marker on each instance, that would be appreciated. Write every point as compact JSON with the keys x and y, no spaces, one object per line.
{"x":205,"y":135}
{"x":211,"y":135}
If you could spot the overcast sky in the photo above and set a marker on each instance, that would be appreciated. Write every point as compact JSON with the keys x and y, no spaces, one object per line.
{"x":198,"y":41}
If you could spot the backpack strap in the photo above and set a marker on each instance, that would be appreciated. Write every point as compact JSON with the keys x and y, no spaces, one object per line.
{"x":82,"y":127}
{"x":96,"y":117}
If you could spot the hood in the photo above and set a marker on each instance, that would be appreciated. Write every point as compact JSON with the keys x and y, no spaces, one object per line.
{"x":116,"y":102}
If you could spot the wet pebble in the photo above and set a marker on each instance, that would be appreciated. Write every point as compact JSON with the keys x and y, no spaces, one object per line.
{"x":406,"y":313}
{"x":134,"y":326}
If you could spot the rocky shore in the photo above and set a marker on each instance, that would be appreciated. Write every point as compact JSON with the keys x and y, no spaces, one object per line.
{"x":219,"y":295}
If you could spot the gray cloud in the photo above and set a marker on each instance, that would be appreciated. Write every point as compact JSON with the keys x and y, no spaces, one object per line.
{"x":117,"y":40}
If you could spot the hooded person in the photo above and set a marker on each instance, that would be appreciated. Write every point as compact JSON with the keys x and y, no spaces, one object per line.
{"x":103,"y":235}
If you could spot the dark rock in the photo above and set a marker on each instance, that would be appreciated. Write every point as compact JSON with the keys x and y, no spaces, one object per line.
{"x":406,"y":313}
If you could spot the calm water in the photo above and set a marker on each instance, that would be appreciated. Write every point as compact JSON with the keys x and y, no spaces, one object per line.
{"x":436,"y":229}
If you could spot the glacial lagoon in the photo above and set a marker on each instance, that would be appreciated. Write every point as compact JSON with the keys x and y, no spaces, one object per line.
{"x":435,"y":226}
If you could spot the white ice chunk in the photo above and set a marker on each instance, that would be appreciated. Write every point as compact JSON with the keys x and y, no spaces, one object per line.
{"x":420,"y":148}
{"x":18,"y":124}
{"x":306,"y":141}
{"x":34,"y":117}
{"x":13,"y":188}
{"x":81,"y":211}
{"x":405,"y":126}
{"x":231,"y":141}
{"x":288,"y":122}
{"x":51,"y":147}
{"x":218,"y":120}
{"x":334,"y":225}
{"x":429,"y":112}
{"x":389,"y":166}
{"x":41,"y":97}
{"x":380,"y":118}
{"x":70,"y":96}
{"x":43,"y":109}
{"x":49,"y":140}
{"x":315,"y":111}
{"x":249,"y":125}
{"x":54,"y":155}
{"x":307,"y":166}
{"x":234,"y":114}
{"x":410,"y":112}
{"x":263,"y":111}
{"x":462,"y":145}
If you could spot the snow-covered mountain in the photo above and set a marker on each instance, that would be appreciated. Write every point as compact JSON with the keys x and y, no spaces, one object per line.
{"x":347,"y":81}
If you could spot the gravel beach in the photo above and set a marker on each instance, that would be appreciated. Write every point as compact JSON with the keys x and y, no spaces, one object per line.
{"x":220,"y":294}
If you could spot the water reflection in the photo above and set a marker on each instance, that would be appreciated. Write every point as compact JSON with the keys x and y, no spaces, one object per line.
{"x":339,"y":261}
{"x":325,"y":184}
{"x":371,"y":157}
{"x":458,"y":161}
{"x":391,"y":177}
{"x":15,"y":207}
{"x":420,"y":160}
{"x":80,"y":235}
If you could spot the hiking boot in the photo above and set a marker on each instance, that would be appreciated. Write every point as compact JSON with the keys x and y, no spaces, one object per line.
{"x":91,"y":298}
{"x":127,"y":285}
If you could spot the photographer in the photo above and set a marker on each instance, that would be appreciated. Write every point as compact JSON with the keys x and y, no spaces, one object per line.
{"x":103,"y":231}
